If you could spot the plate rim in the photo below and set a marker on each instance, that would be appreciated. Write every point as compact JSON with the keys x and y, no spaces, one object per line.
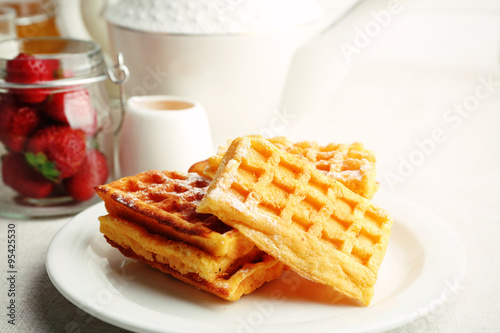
{"x":381,"y":199}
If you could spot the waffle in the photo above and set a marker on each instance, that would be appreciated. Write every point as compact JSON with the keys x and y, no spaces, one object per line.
{"x":222,"y":276}
{"x":350,"y":164}
{"x":164,"y":203}
{"x":297,"y":214}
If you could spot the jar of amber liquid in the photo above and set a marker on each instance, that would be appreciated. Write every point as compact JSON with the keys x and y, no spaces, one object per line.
{"x":56,"y":132}
{"x":34,"y":18}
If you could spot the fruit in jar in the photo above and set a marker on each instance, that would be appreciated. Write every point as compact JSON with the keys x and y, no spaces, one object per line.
{"x":16,"y":123}
{"x":20,"y":176}
{"x":73,"y":108}
{"x":92,"y":172}
{"x":62,"y":145}
{"x":27,"y":69}
{"x":50,"y":134}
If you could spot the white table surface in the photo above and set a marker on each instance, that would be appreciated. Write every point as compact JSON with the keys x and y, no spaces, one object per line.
{"x":393,"y":107}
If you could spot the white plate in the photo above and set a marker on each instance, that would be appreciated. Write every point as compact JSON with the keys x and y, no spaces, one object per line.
{"x":423,"y":267}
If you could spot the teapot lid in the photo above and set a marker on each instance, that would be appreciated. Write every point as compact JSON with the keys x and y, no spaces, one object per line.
{"x":212,"y":16}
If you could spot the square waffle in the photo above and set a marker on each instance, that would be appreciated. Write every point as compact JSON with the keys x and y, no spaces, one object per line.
{"x":164,"y":203}
{"x":222,"y":276}
{"x":351,"y":164}
{"x":307,"y":220}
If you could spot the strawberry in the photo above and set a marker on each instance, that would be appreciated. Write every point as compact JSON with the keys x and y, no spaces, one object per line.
{"x":73,"y":108}
{"x":92,"y":172}
{"x":18,"y":174}
{"x":53,"y":67}
{"x":26,"y":69}
{"x":16,"y":123}
{"x":62,"y":145}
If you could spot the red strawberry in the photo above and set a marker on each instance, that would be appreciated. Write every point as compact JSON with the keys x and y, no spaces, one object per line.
{"x":26,"y":69}
{"x":53,"y":67}
{"x":18,"y":174}
{"x":92,"y":172}
{"x":62,"y":145}
{"x":16,"y":123}
{"x":73,"y":108}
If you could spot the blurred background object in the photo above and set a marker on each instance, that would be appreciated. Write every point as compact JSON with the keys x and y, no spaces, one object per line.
{"x":34,"y":18}
{"x":7,"y":22}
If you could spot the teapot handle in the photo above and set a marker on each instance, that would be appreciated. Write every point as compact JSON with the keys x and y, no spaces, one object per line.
{"x":83,"y":19}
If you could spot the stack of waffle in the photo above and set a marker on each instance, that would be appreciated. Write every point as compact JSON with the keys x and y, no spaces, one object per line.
{"x":237,"y":219}
{"x":152,"y":218}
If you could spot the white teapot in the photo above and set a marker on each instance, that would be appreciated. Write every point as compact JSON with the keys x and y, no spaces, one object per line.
{"x":233,"y":56}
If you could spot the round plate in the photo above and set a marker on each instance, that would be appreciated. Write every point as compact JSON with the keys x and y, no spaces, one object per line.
{"x":412,"y":280}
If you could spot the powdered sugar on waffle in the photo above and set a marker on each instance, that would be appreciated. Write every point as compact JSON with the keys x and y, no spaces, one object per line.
{"x":194,"y":185}
{"x":190,"y":187}
{"x":346,"y":175}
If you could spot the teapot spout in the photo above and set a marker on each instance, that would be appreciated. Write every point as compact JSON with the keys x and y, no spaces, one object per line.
{"x":320,"y":65}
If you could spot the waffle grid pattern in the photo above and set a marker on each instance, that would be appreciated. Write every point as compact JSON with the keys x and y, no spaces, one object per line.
{"x":281,"y":189}
{"x":306,"y":202}
{"x":351,"y":164}
{"x":164,"y":203}
{"x":155,"y":186}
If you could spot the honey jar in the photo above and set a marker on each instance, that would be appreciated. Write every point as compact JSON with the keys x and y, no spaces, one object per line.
{"x":34,"y":18}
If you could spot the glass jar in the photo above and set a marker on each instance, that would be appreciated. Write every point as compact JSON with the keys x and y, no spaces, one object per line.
{"x":35,"y":18}
{"x":56,"y":128}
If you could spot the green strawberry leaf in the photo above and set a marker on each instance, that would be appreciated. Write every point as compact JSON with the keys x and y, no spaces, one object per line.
{"x":93,"y":144}
{"x":40,"y":162}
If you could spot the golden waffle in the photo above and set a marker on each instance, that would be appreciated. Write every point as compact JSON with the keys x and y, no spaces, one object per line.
{"x":350,"y":164}
{"x":164,"y":203}
{"x":221,"y":276}
{"x":300,"y":216}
